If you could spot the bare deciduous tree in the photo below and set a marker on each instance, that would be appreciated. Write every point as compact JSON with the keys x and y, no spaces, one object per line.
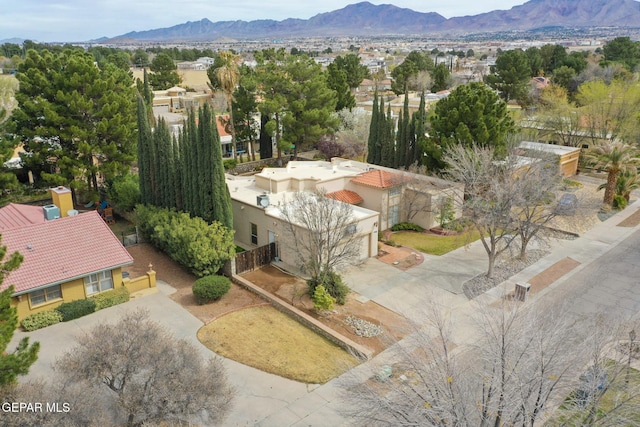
{"x":146,"y":375}
{"x":489,"y":188}
{"x":508,"y":198}
{"x":323,"y":231}
{"x":534,"y":197}
{"x":526,"y":367}
{"x":353,"y":132}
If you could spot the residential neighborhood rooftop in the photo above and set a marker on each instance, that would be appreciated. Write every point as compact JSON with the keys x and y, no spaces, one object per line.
{"x":62,"y":249}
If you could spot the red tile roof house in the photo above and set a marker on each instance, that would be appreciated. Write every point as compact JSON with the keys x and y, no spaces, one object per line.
{"x":67,"y":256}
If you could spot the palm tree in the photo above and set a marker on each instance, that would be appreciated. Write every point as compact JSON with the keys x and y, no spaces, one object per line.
{"x":614,"y":157}
{"x":228,"y":77}
{"x":627,"y":182}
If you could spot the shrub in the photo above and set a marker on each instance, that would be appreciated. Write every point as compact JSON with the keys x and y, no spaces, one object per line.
{"x":229,"y":164}
{"x":329,"y":148}
{"x":200,"y":247}
{"x":446,"y":212}
{"x":457,"y":224}
{"x":111,"y":298}
{"x":124,"y":192}
{"x":619,"y":202}
{"x":75,"y":309}
{"x":333,"y":284}
{"x":321,"y":299}
{"x":407,"y":226}
{"x":210,"y":288}
{"x":41,"y":320}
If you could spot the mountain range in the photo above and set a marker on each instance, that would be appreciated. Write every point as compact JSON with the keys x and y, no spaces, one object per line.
{"x":366,"y":19}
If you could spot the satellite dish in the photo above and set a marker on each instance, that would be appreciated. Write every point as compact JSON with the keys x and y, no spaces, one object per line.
{"x":264,"y":202}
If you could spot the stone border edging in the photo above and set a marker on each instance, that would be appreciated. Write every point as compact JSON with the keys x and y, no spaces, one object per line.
{"x":305,"y":319}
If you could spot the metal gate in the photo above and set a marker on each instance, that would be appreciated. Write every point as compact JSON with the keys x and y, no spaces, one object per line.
{"x":255,"y":258}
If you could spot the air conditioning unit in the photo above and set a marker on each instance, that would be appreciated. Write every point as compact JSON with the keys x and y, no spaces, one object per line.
{"x":263,"y":200}
{"x":51,"y":212}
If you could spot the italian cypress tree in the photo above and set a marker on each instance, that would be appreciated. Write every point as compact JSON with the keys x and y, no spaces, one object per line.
{"x":388,"y":153}
{"x":266,"y":147}
{"x":145,"y":154}
{"x":195,"y":207}
{"x":185,"y":161}
{"x":164,"y":165}
{"x":177,"y":172}
{"x":400,"y":142}
{"x":206,"y":166}
{"x":420,"y":132}
{"x":403,"y":154}
{"x":373,"y":131}
{"x":220,"y":198}
{"x":381,"y":131}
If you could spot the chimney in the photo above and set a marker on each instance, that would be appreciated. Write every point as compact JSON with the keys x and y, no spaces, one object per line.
{"x":62,"y":199}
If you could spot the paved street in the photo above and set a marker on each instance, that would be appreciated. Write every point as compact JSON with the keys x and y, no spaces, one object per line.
{"x":610,"y":284}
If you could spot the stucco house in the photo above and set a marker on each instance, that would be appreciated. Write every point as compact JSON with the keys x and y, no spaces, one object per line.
{"x":67,"y":255}
{"x":379,"y":198}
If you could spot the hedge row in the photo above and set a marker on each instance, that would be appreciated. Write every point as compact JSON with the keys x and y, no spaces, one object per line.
{"x":72,"y":310}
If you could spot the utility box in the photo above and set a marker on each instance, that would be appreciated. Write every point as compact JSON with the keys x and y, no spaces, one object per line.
{"x":522,"y":290}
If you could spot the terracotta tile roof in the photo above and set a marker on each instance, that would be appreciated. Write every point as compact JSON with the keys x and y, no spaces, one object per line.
{"x":16,"y":216}
{"x":346,"y":196}
{"x":63,"y":249}
{"x":221,"y":128}
{"x":377,"y":178}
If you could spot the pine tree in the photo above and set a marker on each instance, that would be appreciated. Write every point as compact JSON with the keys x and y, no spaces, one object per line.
{"x":25,"y":355}
{"x":373,"y":131}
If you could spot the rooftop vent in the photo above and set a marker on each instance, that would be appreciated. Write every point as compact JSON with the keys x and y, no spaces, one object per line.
{"x":51,"y":212}
{"x":262,"y":200}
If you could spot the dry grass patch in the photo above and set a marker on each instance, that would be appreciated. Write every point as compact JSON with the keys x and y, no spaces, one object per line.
{"x":266,"y":339}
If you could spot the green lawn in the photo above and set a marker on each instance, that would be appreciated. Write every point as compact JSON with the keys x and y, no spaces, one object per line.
{"x":433,"y":244}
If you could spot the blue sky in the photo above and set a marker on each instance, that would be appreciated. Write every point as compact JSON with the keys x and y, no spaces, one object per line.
{"x":81,"y":20}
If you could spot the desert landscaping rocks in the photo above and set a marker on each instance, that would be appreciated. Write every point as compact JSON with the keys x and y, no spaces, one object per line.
{"x":501,"y":272}
{"x":362,"y":328}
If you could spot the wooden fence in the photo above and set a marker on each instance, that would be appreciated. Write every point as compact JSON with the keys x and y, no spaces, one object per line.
{"x":255,"y":258}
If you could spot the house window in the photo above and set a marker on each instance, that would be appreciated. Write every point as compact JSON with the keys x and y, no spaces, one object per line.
{"x":254,"y":234}
{"x":395,"y":191}
{"x":98,"y":282}
{"x":394,"y":215}
{"x":45,"y":295}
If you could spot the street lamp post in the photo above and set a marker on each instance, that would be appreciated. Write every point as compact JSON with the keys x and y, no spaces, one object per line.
{"x":632,"y":338}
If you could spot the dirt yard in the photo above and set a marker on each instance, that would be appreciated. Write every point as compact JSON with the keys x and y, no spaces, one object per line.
{"x":170,"y":272}
{"x":290,"y":288}
{"x":276,"y":282}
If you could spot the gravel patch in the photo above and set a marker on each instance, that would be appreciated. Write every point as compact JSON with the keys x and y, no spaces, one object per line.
{"x":501,"y":272}
{"x":363,"y":328}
